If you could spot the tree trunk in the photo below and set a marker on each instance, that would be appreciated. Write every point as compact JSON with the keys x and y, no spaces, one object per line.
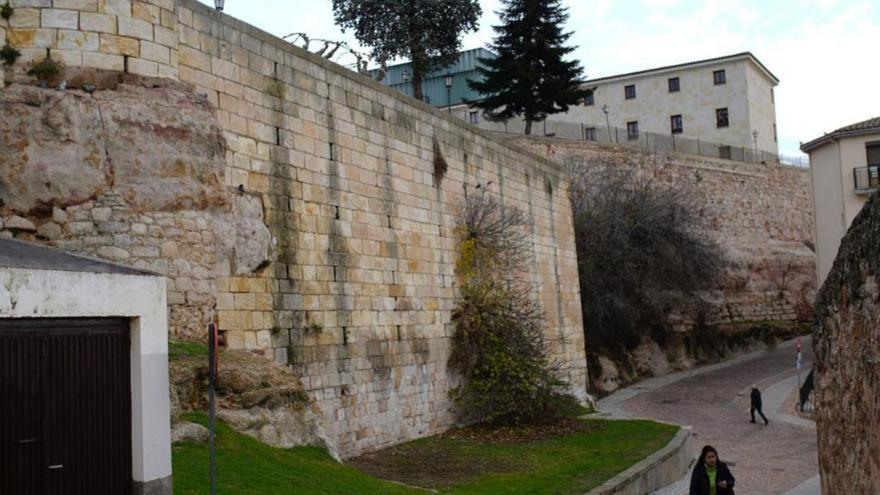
{"x":528,"y":127}
{"x":417,"y":84}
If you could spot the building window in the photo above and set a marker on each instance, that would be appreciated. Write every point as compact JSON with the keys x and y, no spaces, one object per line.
{"x":674,"y":85}
{"x":589,"y":99}
{"x":632,"y":130}
{"x":629,"y":91}
{"x":873,"y":150}
{"x":474,"y":117}
{"x":774,"y":133}
{"x":772,"y":96}
{"x":724,"y":152}
{"x":676,"y":124}
{"x":590,"y":133}
{"x":721,"y":118}
{"x":720,"y":77}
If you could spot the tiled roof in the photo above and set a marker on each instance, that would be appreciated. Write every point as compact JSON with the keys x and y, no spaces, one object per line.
{"x":859,"y":126}
{"x":863,"y":127}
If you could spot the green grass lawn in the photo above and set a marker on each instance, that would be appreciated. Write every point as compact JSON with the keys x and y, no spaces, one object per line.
{"x":572,"y":464}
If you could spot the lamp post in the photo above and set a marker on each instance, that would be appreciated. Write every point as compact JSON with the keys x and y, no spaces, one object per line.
{"x":218,"y":4}
{"x":755,"y":137}
{"x":447,"y":80}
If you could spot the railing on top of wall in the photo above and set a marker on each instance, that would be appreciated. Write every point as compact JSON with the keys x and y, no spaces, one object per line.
{"x":648,"y":141}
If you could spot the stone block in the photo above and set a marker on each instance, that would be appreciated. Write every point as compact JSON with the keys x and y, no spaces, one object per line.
{"x":116,"y":7}
{"x":70,"y":58}
{"x":61,"y":19}
{"x":155,"y":52}
{"x":25,"y":18}
{"x":165,"y":36}
{"x":143,"y":67}
{"x":118,"y":45}
{"x":78,"y":40}
{"x":135,"y":28}
{"x":104,"y":61}
{"x":145,"y":12}
{"x":31,"y":3}
{"x":101,"y":23}
{"x":80,"y":5}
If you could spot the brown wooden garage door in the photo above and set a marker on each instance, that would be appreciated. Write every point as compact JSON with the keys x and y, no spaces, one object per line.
{"x":65,"y":406}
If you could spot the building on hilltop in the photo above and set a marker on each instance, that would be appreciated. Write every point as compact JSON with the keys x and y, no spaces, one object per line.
{"x":722,"y":107}
{"x":845,"y":167}
{"x":727,"y":100}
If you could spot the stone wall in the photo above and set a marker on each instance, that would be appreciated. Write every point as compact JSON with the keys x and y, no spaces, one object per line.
{"x":846,"y":340}
{"x":139,"y":37}
{"x":760,"y":215}
{"x":309,"y":209}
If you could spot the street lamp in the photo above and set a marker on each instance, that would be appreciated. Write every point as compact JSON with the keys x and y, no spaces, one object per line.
{"x":755,"y":137}
{"x":218,"y":4}
{"x":447,"y":80}
{"x":605,"y":109}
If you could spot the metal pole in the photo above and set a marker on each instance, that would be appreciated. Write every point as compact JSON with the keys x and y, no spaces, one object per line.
{"x":212,"y":372}
{"x":449,"y":99}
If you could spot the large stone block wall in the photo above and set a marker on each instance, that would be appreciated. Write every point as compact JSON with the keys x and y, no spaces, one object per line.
{"x":139,"y":37}
{"x":314,"y":216}
{"x":760,"y":215}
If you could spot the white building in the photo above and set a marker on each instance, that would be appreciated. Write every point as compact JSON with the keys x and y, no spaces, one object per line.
{"x":845,"y":168}
{"x":84,"y":393}
{"x":722,"y":107}
{"x":722,"y":100}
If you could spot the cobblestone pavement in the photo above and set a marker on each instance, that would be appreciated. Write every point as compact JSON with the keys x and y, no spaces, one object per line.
{"x":714,"y":401}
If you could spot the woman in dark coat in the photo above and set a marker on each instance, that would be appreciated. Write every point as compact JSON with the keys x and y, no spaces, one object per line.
{"x":711,"y":476}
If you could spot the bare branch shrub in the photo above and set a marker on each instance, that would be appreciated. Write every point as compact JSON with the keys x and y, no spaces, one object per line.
{"x":641,"y":250}
{"x":499,"y":345}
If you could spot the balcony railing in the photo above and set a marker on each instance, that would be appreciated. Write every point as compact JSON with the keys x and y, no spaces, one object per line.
{"x":866,"y":179}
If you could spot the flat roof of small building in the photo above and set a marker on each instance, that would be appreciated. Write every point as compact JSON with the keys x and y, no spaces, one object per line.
{"x":869,"y":126}
{"x":708,"y":61}
{"x":19,"y":254}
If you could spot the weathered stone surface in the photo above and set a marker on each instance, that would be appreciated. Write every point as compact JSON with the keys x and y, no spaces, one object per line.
{"x":244,"y":238}
{"x":846,"y":342}
{"x":185,"y":431}
{"x":255,"y":396}
{"x":159,"y":147}
{"x":18,"y":223}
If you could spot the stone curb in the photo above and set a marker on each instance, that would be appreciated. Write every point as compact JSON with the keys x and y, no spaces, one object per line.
{"x":659,"y":469}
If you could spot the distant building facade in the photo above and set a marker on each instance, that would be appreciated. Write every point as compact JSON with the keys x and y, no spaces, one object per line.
{"x":845,"y":167}
{"x":726,"y":102}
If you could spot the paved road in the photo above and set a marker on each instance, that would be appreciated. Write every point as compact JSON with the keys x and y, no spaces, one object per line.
{"x":714,"y":401}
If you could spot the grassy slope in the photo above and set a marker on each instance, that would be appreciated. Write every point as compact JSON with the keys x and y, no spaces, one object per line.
{"x":573,"y":464}
{"x":569,"y":465}
{"x":246,"y":466}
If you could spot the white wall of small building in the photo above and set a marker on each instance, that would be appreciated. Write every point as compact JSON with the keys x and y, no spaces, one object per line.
{"x":29,"y":293}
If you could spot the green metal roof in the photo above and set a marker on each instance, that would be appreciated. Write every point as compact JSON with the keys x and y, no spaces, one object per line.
{"x":434,"y":87}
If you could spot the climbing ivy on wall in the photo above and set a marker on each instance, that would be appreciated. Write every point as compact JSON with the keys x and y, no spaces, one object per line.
{"x":498,"y":345}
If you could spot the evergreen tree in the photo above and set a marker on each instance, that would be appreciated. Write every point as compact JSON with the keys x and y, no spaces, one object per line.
{"x":529,"y":77}
{"x":428,"y":32}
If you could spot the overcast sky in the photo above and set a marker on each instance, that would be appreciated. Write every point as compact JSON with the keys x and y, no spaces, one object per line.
{"x":825,"y":52}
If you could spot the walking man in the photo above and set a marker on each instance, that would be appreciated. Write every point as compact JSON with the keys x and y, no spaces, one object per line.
{"x":756,"y":404}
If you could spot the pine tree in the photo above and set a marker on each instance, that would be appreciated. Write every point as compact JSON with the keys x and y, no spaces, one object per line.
{"x":529,"y":77}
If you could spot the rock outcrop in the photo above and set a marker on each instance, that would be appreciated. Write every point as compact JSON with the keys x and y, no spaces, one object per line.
{"x":254,"y":396}
{"x":846,"y":342}
{"x":159,"y":147}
